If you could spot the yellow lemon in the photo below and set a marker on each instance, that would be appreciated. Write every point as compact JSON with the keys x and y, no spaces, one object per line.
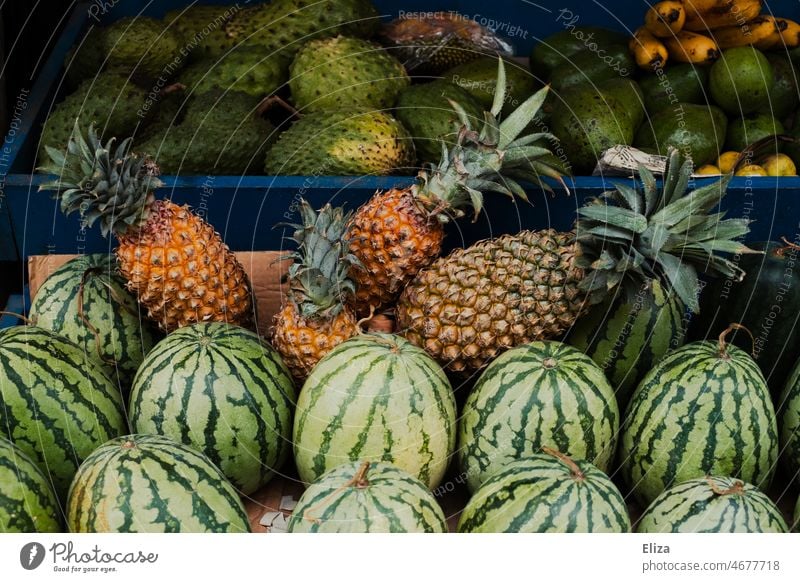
{"x":726,"y":161}
{"x":751,"y":170}
{"x":779,"y":165}
{"x":708,"y":169}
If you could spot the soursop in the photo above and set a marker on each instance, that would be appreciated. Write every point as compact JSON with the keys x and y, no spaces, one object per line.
{"x":202,"y":29}
{"x":142,"y":45}
{"x":245,"y":69}
{"x":333,"y":73}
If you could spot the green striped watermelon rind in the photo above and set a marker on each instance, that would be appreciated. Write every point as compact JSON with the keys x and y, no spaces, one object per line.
{"x":219,"y":387}
{"x":518,"y":405}
{"x":685,"y":421}
{"x":376,"y":397}
{"x":28,"y":503}
{"x":117,"y":335}
{"x":543,"y":494}
{"x":627,"y":338}
{"x":712,"y":505}
{"x":56,"y":404}
{"x":153,"y":484}
{"x":789,"y":404}
{"x":367,"y":497}
{"x":797,"y":516}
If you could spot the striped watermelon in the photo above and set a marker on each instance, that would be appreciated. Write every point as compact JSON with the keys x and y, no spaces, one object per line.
{"x":627,"y":338}
{"x":546,"y":493}
{"x":703,"y":410}
{"x":365,"y":497}
{"x":541,"y":394}
{"x":103,"y":319}
{"x":790,"y":423}
{"x":797,"y":516}
{"x":56,"y":404}
{"x":712,"y":505}
{"x":220,"y":388}
{"x":27,"y":501}
{"x":376,"y":397}
{"x":152,"y":484}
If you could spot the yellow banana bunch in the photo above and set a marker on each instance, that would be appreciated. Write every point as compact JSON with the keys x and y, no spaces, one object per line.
{"x":790,"y":36}
{"x":760,"y":31}
{"x":690,"y":47}
{"x":723,"y":14}
{"x":665,"y":18}
{"x":648,"y":51}
{"x":694,"y":8}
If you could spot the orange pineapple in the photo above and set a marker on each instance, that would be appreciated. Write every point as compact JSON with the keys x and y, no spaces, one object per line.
{"x":174,"y":261}
{"x":399,"y":232}
{"x":315,"y":317}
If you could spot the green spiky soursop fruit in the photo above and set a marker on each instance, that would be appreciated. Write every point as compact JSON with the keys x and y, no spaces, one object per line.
{"x":218,"y":132}
{"x":85,"y":59}
{"x":342,"y":143}
{"x":202,"y":29}
{"x":333,"y":73}
{"x":245,"y":69}
{"x":142,"y":45}
{"x":427,"y":113}
{"x":109,"y":100}
{"x":284,"y":25}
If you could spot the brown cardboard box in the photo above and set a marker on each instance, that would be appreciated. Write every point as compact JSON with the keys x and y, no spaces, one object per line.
{"x":264,"y":268}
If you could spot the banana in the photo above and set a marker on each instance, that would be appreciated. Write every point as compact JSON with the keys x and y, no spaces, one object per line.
{"x":648,"y":50}
{"x":695,"y":8}
{"x":690,"y":47}
{"x":665,"y":18}
{"x":790,"y":36}
{"x":758,"y":30}
{"x":774,"y":38}
{"x":732,"y":13}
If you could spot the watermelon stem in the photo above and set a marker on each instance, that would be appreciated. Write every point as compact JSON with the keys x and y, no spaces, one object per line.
{"x":577,"y":474}
{"x":21,"y":317}
{"x":736,"y":489}
{"x":723,"y":345}
{"x":359,"y":481}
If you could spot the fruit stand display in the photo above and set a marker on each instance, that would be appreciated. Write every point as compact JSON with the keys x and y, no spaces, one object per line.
{"x":541,"y":267}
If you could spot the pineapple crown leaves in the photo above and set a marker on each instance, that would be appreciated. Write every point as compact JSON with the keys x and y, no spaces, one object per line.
{"x":492,"y":158}
{"x":318,"y":277}
{"x":627,"y":236}
{"x":113,"y":186}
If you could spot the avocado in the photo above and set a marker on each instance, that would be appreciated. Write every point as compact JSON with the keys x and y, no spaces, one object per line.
{"x":749,"y":129}
{"x":682,"y":83}
{"x":591,"y":66}
{"x":587,"y":122}
{"x":696,"y":129}
{"x":551,"y":52}
{"x":740,"y":81}
{"x":783,"y":95}
{"x":479,"y":77}
{"x":629,"y":94}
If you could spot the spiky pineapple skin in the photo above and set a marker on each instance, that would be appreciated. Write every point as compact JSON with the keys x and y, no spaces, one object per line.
{"x":181,"y":270}
{"x":467,"y":308}
{"x":303,"y":342}
{"x":393,"y":239}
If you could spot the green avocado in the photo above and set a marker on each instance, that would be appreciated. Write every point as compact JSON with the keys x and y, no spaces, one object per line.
{"x":591,"y":66}
{"x":698,"y":130}
{"x":551,"y":52}
{"x":587,"y":122}
{"x":479,"y":78}
{"x":783,"y":96}
{"x":740,"y":81}
{"x":682,"y":83}
{"x":629,"y":95}
{"x":746,"y":130}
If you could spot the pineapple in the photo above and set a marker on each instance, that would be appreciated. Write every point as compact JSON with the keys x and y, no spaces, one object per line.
{"x":470,"y":306}
{"x":173,"y":260}
{"x":315,"y":318}
{"x":398,"y":232}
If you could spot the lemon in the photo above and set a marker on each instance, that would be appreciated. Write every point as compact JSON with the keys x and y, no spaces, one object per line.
{"x":751,"y":170}
{"x":708,"y":169}
{"x":726,"y":161}
{"x":779,"y":165}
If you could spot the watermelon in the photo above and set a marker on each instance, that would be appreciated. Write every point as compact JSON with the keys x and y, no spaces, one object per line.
{"x":376,"y":397}
{"x":546,"y":493}
{"x":703,"y":410}
{"x":797,"y":516}
{"x":712,"y":505}
{"x":56,"y":404}
{"x":790,"y":423}
{"x":28,"y":503}
{"x":222,"y":389}
{"x":766,"y":302}
{"x":152,"y":484}
{"x":85,"y":301}
{"x":541,"y":394}
{"x":367,"y":497}
{"x":627,"y":337}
